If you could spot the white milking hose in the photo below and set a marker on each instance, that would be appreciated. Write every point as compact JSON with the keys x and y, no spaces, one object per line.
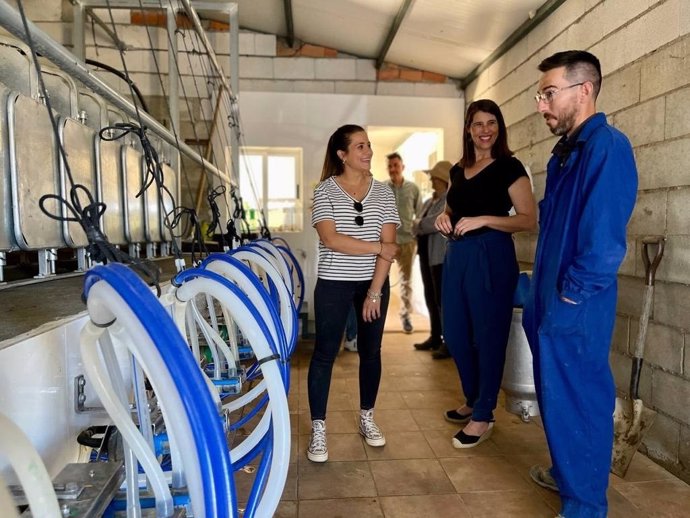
{"x":185,"y":320}
{"x":273,"y":253}
{"x":98,"y":375}
{"x":232,"y":272}
{"x":258,"y":432}
{"x":29,"y":468}
{"x":212,"y":336}
{"x":193,"y":309}
{"x":254,"y":438}
{"x":286,"y":301}
{"x":131,"y":463}
{"x":230,"y":328}
{"x":247,"y":398}
{"x":104,"y":303}
{"x":274,"y":386}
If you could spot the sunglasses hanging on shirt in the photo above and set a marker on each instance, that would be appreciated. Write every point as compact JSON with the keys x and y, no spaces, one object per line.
{"x":359,"y":220}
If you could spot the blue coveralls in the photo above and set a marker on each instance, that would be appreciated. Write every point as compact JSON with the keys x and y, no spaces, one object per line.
{"x":582,"y":221}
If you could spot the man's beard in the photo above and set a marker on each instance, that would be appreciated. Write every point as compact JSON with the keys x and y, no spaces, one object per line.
{"x":565,"y":124}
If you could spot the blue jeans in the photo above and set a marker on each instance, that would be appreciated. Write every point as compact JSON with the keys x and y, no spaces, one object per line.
{"x":332,"y":301}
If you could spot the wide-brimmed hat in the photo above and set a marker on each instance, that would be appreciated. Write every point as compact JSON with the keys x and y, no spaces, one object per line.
{"x":441,"y":170}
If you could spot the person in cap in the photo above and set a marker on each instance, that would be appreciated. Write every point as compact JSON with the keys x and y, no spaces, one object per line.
{"x":481,"y":271}
{"x":431,"y":247}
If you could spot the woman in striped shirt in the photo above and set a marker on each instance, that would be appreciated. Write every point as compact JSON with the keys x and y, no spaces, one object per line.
{"x":356,"y":218}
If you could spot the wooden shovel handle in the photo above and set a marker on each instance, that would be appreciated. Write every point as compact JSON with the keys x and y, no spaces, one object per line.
{"x":650,"y":265}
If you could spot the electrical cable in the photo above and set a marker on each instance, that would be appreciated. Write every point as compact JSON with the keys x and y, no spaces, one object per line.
{"x":122,"y":76}
{"x":215,"y":211}
{"x":88,"y":217}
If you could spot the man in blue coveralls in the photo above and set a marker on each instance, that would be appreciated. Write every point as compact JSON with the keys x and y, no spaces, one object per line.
{"x":591,"y":185}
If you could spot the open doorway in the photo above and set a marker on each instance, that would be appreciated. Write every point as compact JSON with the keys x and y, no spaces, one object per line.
{"x":420,"y":149}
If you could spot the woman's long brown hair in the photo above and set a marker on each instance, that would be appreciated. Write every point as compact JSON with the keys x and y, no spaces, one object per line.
{"x":500,"y":147}
{"x":332,"y":164}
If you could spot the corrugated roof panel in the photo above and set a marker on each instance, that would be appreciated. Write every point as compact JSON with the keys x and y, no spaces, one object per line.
{"x":453,"y":36}
{"x":450,"y":37}
{"x":356,"y":27}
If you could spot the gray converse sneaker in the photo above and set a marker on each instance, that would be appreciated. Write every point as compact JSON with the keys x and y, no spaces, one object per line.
{"x":317,"y":451}
{"x":368,"y":429}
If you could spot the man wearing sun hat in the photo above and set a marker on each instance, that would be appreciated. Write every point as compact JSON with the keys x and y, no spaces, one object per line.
{"x":431,"y":247}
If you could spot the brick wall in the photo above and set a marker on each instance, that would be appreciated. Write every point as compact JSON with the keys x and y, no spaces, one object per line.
{"x":644,"y":47}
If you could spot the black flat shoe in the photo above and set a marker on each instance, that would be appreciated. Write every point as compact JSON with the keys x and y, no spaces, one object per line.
{"x":462,"y":440}
{"x":430,"y":344}
{"x":453,"y":416}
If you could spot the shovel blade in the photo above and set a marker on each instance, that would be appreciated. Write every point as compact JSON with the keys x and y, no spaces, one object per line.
{"x":631,"y":420}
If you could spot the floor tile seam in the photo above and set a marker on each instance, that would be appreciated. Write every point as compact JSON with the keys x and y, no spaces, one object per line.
{"x":672,"y":479}
{"x":532,"y":496}
{"x":338,"y":498}
{"x":478,"y":455}
{"x":624,"y":497}
{"x":373,"y":478}
{"x":528,"y":481}
{"x":468,"y":455}
{"x":372,"y":459}
{"x":371,"y":462}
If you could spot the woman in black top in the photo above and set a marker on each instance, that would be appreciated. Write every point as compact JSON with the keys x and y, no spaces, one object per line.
{"x":480,"y":270}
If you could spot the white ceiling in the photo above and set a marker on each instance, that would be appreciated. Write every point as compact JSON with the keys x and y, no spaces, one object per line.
{"x":451,"y":37}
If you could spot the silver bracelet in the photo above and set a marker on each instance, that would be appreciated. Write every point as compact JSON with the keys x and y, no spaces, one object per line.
{"x":373,"y":296}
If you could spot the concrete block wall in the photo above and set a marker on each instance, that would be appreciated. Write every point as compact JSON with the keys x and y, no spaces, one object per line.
{"x":644,"y":48}
{"x":267,"y":64}
{"x":313,"y":69}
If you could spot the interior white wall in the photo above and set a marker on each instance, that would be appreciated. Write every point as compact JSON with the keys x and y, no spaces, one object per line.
{"x":308,"y":120}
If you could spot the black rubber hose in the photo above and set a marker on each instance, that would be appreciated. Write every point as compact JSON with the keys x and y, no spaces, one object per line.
{"x":122,"y":76}
{"x":86,"y":437}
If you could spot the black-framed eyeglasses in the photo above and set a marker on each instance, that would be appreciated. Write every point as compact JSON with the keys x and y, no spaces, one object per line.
{"x":359,"y":220}
{"x":548,"y":96}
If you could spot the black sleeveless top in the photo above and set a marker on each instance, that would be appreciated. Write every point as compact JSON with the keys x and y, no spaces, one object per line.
{"x":486,"y":193}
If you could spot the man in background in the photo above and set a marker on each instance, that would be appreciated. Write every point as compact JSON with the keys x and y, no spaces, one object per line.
{"x":407,"y":198}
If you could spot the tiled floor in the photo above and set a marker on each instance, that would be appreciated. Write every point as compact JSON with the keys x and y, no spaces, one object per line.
{"x":418,"y":472}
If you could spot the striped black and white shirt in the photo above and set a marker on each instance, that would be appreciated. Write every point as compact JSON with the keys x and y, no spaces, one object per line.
{"x":332,"y":202}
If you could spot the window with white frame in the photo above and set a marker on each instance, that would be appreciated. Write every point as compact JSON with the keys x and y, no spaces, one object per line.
{"x":271,"y":179}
